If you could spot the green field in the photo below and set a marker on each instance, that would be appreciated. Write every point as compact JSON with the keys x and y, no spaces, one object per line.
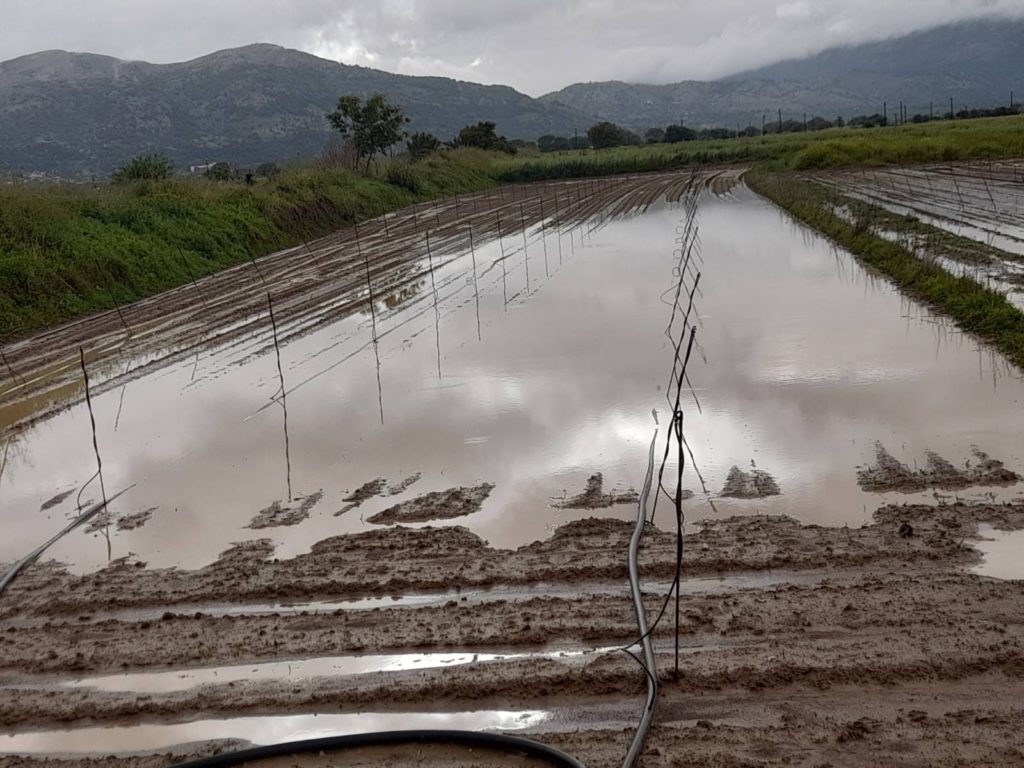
{"x":988,"y":138}
{"x":69,"y":250}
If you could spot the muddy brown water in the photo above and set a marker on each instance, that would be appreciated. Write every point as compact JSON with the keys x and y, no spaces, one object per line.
{"x":805,"y":361}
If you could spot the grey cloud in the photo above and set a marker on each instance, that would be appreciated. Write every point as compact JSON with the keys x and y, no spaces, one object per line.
{"x":534,"y":45}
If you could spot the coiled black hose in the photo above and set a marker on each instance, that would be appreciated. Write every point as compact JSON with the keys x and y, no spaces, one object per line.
{"x":495,"y":741}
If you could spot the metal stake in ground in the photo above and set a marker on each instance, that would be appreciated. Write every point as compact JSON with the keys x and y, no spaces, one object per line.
{"x":476,"y":287}
{"x":95,"y":445}
{"x":15,"y":377}
{"x":193,"y":278}
{"x":544,"y":237}
{"x":504,"y":275}
{"x":437,"y":312}
{"x":373,"y":319}
{"x":284,"y":399}
{"x":526,"y":253}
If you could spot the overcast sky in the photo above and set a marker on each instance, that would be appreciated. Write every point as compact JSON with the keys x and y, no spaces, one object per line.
{"x":533,"y":45}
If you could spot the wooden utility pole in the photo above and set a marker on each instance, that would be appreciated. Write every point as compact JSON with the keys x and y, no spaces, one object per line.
{"x":885,"y":113}
{"x":764,"y":123}
{"x":780,"y":121}
{"x":952,"y":114}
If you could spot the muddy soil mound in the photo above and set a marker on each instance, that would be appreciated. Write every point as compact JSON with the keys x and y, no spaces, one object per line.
{"x":437,"y":505}
{"x":378,"y":487}
{"x":280,"y":513}
{"x":594,"y":497}
{"x":890,"y":474}
{"x":756,"y":484}
{"x":51,"y":503}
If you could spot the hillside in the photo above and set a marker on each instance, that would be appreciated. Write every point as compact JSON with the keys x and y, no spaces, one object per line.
{"x":72,"y":113}
{"x":976,"y":63}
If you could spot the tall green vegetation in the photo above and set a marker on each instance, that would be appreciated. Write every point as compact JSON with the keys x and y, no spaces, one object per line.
{"x":71,"y":250}
{"x":143,"y":168}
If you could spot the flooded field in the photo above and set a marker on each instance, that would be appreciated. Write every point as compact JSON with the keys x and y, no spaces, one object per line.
{"x":498,"y":397}
{"x":980,"y":203}
{"x":809,"y":362}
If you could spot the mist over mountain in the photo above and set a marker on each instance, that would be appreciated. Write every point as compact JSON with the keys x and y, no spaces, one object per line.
{"x":975,"y":63}
{"x":81,"y":113}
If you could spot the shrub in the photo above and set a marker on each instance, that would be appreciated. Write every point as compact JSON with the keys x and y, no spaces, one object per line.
{"x":144,"y":167}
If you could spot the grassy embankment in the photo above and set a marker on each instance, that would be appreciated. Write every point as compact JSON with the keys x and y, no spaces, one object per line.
{"x":68,"y":251}
{"x":71,"y":250}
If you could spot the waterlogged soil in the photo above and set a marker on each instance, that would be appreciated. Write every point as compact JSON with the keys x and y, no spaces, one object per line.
{"x":756,"y":484}
{"x":894,"y":639}
{"x":840,"y":632}
{"x":437,"y":505}
{"x":889,"y":474}
{"x":286,"y":513}
{"x":595,"y":497}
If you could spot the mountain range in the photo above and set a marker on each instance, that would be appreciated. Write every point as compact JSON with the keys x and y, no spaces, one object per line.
{"x":79,"y":113}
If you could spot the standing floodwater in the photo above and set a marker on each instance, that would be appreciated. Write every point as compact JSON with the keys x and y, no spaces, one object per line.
{"x":532,"y":374}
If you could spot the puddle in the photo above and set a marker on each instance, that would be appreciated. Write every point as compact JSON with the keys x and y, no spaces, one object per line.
{"x":1003,"y":553}
{"x":809,"y":361}
{"x":260,"y":730}
{"x":703,"y":585}
{"x":304,"y":669}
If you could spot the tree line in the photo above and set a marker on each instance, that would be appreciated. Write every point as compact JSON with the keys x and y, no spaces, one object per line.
{"x":373,"y":127}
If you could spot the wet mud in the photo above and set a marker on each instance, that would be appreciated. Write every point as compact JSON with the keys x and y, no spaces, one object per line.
{"x":285,"y":513}
{"x":436,"y":505}
{"x":755,"y":484}
{"x":890,"y":474}
{"x":896,"y":637}
{"x":595,"y":497}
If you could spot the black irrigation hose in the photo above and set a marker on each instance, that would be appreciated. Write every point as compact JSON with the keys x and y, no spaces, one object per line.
{"x":495,"y":741}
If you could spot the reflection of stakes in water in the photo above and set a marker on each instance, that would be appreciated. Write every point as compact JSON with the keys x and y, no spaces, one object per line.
{"x":504,"y":276}
{"x":284,"y":398}
{"x":544,"y":237}
{"x":437,"y":312}
{"x":96,"y":447}
{"x":252,"y":260}
{"x":476,"y":287}
{"x":526,"y":254}
{"x":387,"y":229}
{"x":120,"y":401}
{"x":373,"y":318}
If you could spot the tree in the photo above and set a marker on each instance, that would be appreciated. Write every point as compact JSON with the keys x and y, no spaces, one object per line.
{"x":373,"y":127}
{"x":483,"y":136}
{"x":549,"y":143}
{"x":143,"y":167}
{"x":605,"y":134}
{"x":677,"y":133}
{"x":422,"y":145}
{"x":654,"y":135}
